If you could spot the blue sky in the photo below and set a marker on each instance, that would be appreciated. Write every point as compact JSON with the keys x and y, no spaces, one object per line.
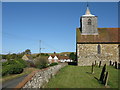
{"x":24,"y":24}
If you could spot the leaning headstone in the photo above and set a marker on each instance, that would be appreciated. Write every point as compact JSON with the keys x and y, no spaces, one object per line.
{"x":92,"y":71}
{"x":110,"y":62}
{"x":102,"y":73}
{"x":106,"y":79}
{"x":95,"y":62}
{"x":116,"y":65}
{"x":99,"y":64}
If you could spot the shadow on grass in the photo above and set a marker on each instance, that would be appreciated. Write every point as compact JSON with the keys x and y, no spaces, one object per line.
{"x":72,"y":63}
{"x":96,"y":78}
{"x":88,"y":72}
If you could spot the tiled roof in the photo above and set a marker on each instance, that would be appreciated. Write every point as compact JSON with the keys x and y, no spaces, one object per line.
{"x":59,"y":57}
{"x":63,"y":57}
{"x":106,"y":35}
{"x":53,"y":55}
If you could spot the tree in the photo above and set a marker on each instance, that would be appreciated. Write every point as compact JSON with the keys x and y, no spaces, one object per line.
{"x":41,"y":62}
{"x":42,"y":54}
{"x":4,"y":56}
{"x":72,"y":56}
{"x":27,"y":51}
{"x":13,"y":56}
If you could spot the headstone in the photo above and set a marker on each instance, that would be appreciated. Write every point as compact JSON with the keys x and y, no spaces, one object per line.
{"x":116,"y":65}
{"x":106,"y":79}
{"x":92,"y":71}
{"x":110,"y":62}
{"x":102,"y":73}
{"x":113,"y":64}
{"x":99,"y":64}
{"x":95,"y":62}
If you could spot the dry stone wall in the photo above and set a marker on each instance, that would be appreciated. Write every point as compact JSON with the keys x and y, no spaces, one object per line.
{"x":88,"y":54}
{"x":42,"y":77}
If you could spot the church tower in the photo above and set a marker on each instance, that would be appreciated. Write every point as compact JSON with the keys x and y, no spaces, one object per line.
{"x":88,"y":23}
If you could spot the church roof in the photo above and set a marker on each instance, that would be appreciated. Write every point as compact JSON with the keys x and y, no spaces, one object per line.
{"x":105,"y":35}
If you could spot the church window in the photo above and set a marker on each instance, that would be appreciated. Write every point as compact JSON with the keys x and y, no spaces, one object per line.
{"x":89,"y":21}
{"x":99,"y":49}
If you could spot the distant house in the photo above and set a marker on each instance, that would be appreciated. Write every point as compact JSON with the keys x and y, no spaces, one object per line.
{"x":65,"y":59}
{"x":57,"y":58}
{"x":27,"y":57}
{"x":53,"y":58}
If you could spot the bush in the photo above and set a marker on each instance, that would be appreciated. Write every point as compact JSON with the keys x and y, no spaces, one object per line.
{"x":22,"y":63}
{"x":13,"y":67}
{"x":41,"y":62}
{"x":9,"y":62}
{"x":53,"y":64}
{"x":5,"y":70}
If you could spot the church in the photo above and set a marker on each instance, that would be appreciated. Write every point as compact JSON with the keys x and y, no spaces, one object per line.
{"x":93,"y":44}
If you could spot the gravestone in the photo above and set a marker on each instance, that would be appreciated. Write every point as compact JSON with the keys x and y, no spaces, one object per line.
{"x":92,"y":71}
{"x":116,"y":65}
{"x":95,"y":62}
{"x":103,"y":73}
{"x":99,"y":64}
{"x":106,"y":79}
{"x":110,"y":62}
{"x":113,"y":64}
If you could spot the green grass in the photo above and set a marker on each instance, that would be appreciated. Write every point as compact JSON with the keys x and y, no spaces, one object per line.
{"x":81,"y":77}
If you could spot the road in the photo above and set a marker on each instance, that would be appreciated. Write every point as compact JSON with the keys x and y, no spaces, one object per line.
{"x":12,"y":83}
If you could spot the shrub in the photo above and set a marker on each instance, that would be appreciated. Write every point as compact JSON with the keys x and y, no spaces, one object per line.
{"x":13,"y":67}
{"x":53,"y":64}
{"x":22,"y":62}
{"x":41,"y":62}
{"x":9,"y":62}
{"x":5,"y":70}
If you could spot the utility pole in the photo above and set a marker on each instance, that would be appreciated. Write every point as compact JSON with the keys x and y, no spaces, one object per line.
{"x":40,"y":47}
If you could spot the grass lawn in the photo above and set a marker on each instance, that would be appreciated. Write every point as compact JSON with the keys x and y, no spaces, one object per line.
{"x":81,"y":77}
{"x":9,"y":77}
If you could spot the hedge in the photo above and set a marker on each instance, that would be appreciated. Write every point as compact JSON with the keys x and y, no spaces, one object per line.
{"x":53,"y":64}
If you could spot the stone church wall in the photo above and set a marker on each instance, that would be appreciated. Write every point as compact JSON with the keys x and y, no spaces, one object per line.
{"x":88,"y":53}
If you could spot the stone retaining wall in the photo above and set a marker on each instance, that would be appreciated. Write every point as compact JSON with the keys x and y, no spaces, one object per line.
{"x":42,"y":77}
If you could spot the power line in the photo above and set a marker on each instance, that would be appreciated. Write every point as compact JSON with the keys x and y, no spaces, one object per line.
{"x":31,"y":39}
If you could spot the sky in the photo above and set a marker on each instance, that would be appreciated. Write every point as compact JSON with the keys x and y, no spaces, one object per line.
{"x":54,"y":23}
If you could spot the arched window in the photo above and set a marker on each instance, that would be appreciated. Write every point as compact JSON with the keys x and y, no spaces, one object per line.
{"x":99,"y":49}
{"x":89,"y":21}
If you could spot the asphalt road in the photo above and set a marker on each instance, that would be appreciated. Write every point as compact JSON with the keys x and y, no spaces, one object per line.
{"x":12,"y":83}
